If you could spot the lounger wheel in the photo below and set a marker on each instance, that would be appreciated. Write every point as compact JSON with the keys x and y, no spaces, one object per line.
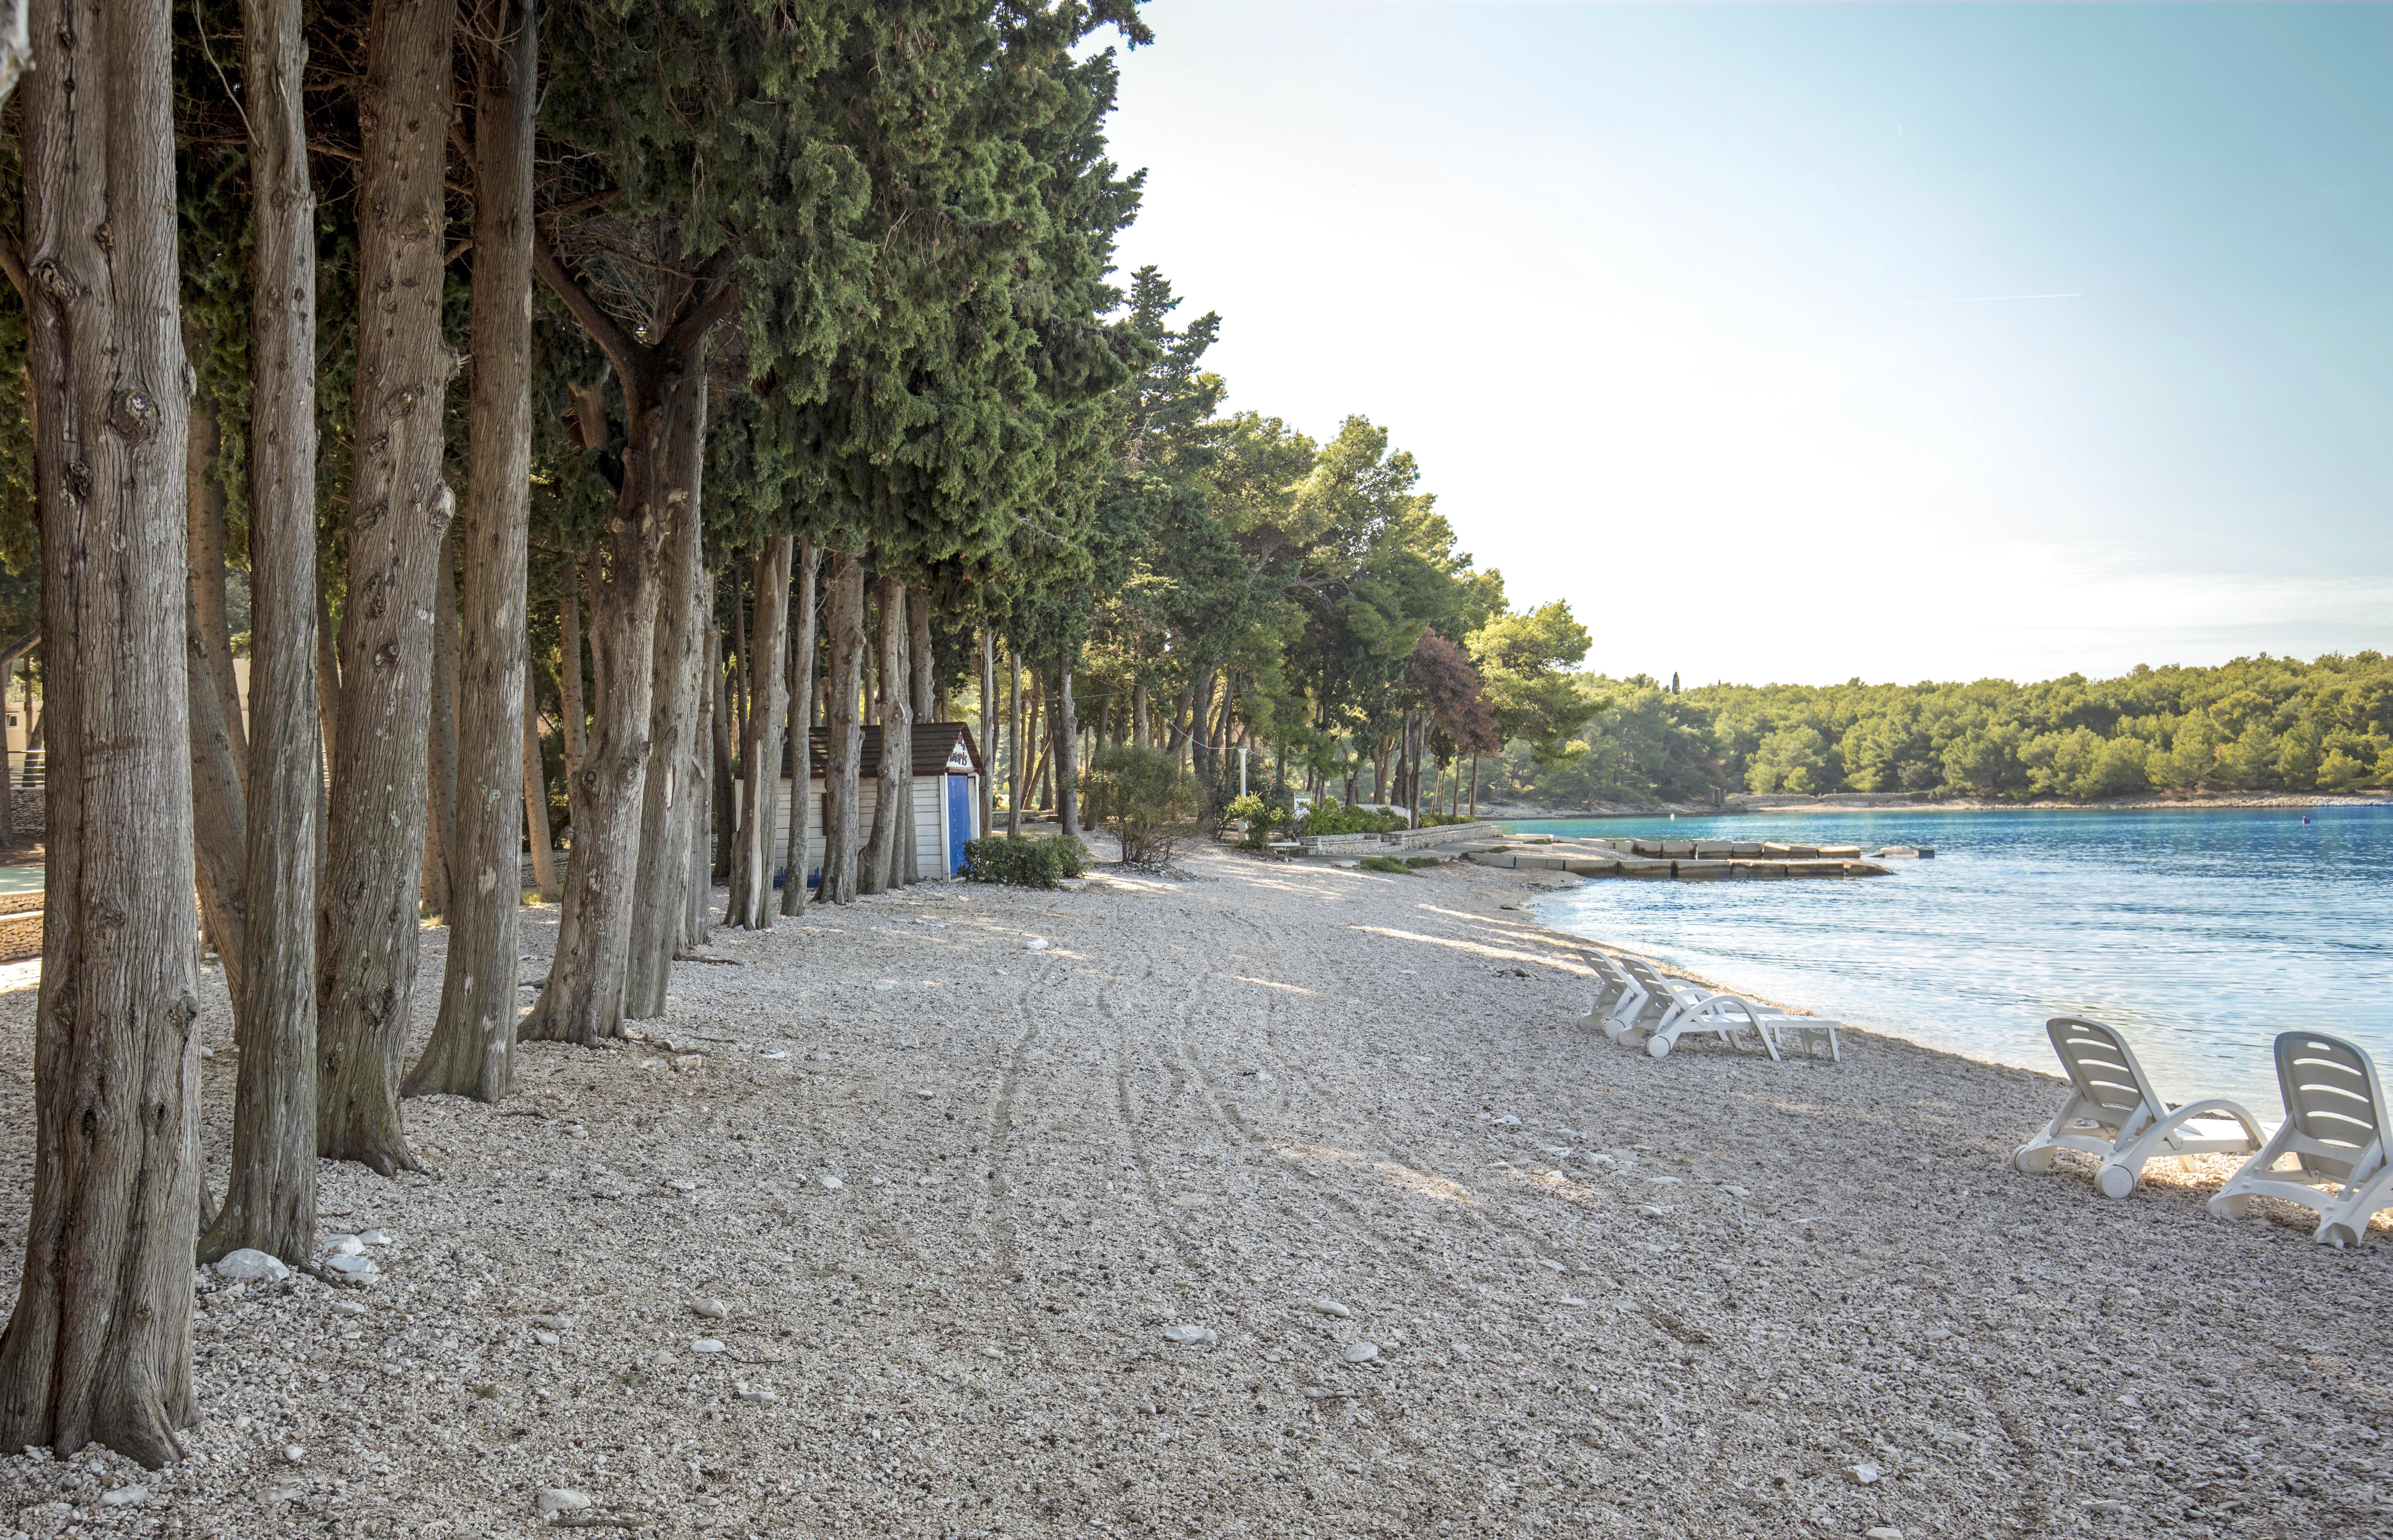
{"x":2231,"y":1205}
{"x":1658,"y":1046}
{"x":2033,"y":1160}
{"x":2114,"y":1180}
{"x":2338,"y":1234}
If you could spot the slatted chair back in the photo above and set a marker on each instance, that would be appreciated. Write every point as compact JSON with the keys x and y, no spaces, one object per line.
{"x":2333,"y":1100}
{"x":2102,"y":1070}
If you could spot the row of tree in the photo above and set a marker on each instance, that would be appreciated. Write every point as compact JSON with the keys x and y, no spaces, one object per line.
{"x":2253,"y":725}
{"x":687,"y":377}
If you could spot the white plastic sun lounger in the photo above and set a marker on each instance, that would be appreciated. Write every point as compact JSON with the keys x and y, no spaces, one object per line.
{"x":1691,"y":1009}
{"x":1618,"y":992}
{"x":2335,"y":1129}
{"x":2113,"y":1112}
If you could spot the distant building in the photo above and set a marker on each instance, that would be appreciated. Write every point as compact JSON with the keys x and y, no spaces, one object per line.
{"x":948,"y":770}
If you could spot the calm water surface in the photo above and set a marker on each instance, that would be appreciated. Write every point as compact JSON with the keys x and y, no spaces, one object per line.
{"x":2200,"y":934}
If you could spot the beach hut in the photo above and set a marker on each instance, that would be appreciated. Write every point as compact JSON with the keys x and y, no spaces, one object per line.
{"x":947,"y":769}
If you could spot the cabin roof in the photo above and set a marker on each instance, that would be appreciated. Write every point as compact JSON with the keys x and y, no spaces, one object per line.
{"x":934,"y":743}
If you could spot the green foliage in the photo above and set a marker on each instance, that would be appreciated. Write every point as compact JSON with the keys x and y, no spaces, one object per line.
{"x":1025,"y":863}
{"x":2254,"y":725}
{"x":1150,"y":801}
{"x":1392,"y":865}
{"x":1326,"y":816}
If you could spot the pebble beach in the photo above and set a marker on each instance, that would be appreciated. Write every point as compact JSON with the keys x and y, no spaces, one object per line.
{"x":1263,"y":1199}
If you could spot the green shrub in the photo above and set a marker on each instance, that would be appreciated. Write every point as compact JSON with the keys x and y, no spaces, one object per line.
{"x":1423,"y":860}
{"x":1327,"y":817}
{"x":1024,"y":862}
{"x":1390,"y":864}
{"x":1149,"y":800}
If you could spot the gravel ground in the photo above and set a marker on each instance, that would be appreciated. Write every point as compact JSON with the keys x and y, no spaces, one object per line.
{"x":1450,"y":1264}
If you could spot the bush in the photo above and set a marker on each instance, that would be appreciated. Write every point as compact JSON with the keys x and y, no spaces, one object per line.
{"x":1149,"y":800}
{"x":1024,"y":862}
{"x":1393,"y":864}
{"x":1326,"y":816}
{"x":1424,"y":860}
{"x":1262,"y":816}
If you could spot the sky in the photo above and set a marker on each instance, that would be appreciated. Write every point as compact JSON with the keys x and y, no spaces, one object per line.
{"x":1795,"y":343}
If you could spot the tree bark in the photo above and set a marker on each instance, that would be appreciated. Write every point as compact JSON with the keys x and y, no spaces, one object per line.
{"x":538,"y":836}
{"x":698,"y":890}
{"x":923,"y":667}
{"x":718,"y":729}
{"x":98,"y":1346}
{"x":1014,"y":785}
{"x":269,"y":1202}
{"x":988,"y":739}
{"x":219,"y":822}
{"x":677,"y":775}
{"x":440,"y":744}
{"x":400,"y":508}
{"x":1139,"y":732}
{"x":801,"y":680}
{"x":663,"y":374}
{"x":753,"y":906}
{"x":207,"y":558}
{"x":1067,"y":750}
{"x":472,"y":1050}
{"x":883,"y":861}
{"x":843,"y":732}
{"x":573,"y":718}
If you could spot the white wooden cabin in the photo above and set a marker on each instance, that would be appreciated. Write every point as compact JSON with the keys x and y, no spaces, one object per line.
{"x":948,"y":770}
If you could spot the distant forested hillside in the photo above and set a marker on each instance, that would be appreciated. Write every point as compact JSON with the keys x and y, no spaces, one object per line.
{"x":2257,"y":723}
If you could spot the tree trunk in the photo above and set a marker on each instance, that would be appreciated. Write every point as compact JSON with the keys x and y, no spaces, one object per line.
{"x":472,"y":1051}
{"x":677,"y":775}
{"x":207,"y":558}
{"x":538,"y":836}
{"x":752,"y":905}
{"x":568,"y":674}
{"x":718,"y":730}
{"x":662,"y":374}
{"x":590,"y":608}
{"x":219,"y":821}
{"x":1067,"y":750}
{"x":1139,"y":734}
{"x":269,"y":1202}
{"x":801,"y":680}
{"x":923,"y":666}
{"x":845,"y":735}
{"x":398,"y":510}
{"x":1014,"y":787}
{"x":1474,"y":786}
{"x":698,"y":854}
{"x":989,"y":742}
{"x":98,"y":1346}
{"x":440,"y":744}
{"x":884,"y":862}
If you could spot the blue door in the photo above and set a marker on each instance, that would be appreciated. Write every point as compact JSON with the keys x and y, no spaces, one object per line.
{"x":959,"y":811}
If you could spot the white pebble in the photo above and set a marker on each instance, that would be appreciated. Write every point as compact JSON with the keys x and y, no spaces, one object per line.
{"x":375,"y":1237}
{"x":1328,"y":1306}
{"x":1035,"y":943}
{"x":833,"y":1184}
{"x":1864,"y":1474}
{"x":120,"y":1496}
{"x":346,"y":1245}
{"x":708,"y":1345}
{"x":1189,"y":1334}
{"x":561,"y":1499}
{"x":713,"y":1310}
{"x":1362,"y":1352}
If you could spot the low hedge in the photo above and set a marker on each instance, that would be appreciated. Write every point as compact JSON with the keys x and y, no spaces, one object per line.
{"x":1025,"y":863}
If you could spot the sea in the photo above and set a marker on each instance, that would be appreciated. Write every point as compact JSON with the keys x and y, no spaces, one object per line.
{"x":2199,"y":934}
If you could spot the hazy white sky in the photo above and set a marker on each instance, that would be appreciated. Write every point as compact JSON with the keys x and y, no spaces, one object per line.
{"x":1692,"y":314}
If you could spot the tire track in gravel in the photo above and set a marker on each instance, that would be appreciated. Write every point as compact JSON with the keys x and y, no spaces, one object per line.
{"x":998,"y":1117}
{"x":1130,"y":1131}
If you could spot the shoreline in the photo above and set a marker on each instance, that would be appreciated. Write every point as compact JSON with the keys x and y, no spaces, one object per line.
{"x":1693,"y":810}
{"x":1284,"y":1200}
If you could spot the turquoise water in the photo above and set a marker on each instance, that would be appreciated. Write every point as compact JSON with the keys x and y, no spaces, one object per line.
{"x":2202,"y":935}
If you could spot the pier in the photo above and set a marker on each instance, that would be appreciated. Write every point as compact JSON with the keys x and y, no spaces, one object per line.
{"x":1687,"y":860}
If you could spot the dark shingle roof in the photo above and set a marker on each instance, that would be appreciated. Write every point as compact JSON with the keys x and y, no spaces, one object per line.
{"x":934,"y":743}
